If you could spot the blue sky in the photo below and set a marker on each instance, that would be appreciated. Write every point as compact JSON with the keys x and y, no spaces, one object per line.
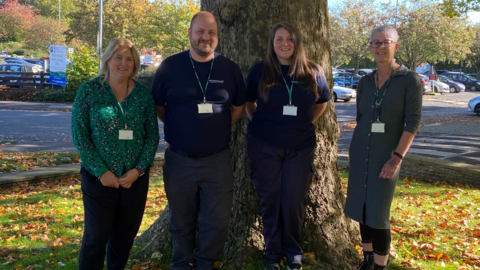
{"x":473,"y":17}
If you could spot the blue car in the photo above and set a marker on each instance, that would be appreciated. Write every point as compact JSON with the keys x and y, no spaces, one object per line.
{"x":455,"y":87}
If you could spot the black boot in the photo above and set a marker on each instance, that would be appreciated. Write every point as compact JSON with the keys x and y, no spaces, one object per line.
{"x":367,"y":262}
{"x":378,"y":267}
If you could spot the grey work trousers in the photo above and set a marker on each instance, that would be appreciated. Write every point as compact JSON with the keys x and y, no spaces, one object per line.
{"x":198,"y":189}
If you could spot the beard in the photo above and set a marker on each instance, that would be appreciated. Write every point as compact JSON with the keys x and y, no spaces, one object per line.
{"x":197,"y":47}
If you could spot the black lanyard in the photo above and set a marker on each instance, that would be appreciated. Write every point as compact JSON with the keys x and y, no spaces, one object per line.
{"x":378,"y":103}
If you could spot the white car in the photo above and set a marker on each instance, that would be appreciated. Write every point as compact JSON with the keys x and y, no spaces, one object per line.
{"x":439,"y":87}
{"x":343,"y":93}
{"x":474,"y":105}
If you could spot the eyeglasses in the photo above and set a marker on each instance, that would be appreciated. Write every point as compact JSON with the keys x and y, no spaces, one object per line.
{"x":385,"y":43}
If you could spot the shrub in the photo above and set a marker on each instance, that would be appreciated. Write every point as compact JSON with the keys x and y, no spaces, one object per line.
{"x":36,"y":95}
{"x":18,"y":52}
{"x":145,"y":77}
{"x":84,"y":66}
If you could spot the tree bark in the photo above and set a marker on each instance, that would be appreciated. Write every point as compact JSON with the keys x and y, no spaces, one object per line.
{"x":244,"y":27}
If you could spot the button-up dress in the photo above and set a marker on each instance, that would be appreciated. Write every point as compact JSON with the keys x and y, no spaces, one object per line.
{"x":400,"y":111}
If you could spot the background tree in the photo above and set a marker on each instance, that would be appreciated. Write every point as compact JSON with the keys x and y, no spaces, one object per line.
{"x":426,"y":35}
{"x":121,"y":18}
{"x":44,"y":32}
{"x":244,"y":27}
{"x":49,"y":8}
{"x":474,"y":55}
{"x":350,"y":33}
{"x":169,"y":21}
{"x":15,"y":19}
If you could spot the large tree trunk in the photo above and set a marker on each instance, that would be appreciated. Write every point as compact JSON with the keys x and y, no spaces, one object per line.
{"x":244,"y":27}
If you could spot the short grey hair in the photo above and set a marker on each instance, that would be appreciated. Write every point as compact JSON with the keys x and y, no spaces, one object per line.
{"x":387,"y":30}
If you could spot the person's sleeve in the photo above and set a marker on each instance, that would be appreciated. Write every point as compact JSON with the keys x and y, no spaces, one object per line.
{"x":413,"y":104}
{"x":322,"y":88}
{"x":359,"y":96}
{"x":158,"y":85}
{"x":239,"y":96}
{"x":151,"y":134}
{"x":81,"y":134}
{"x":252,"y":81}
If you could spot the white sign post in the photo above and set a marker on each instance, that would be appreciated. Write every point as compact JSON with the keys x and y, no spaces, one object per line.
{"x":58,"y":65}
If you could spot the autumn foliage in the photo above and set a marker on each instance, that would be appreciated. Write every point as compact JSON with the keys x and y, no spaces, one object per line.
{"x":21,"y":23}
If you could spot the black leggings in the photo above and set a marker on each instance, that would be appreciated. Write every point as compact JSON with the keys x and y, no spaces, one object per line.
{"x":380,"y":238}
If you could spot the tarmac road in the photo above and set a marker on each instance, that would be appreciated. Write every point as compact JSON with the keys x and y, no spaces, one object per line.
{"x":35,"y":127}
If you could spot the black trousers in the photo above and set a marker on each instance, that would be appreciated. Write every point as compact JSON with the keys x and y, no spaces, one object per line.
{"x":282,"y":180}
{"x":112,"y":219}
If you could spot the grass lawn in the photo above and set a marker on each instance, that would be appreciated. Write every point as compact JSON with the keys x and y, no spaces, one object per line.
{"x":434,"y":226}
{"x":12,"y":161}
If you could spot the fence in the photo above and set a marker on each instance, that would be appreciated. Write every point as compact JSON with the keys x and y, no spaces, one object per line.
{"x":22,"y":79}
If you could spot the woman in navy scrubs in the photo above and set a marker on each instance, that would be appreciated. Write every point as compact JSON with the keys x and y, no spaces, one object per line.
{"x":286,"y":93}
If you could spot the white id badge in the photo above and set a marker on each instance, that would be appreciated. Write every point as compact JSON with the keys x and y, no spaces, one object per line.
{"x":378,"y":127}
{"x":290,"y":110}
{"x":125,"y":134}
{"x":205,"y":108}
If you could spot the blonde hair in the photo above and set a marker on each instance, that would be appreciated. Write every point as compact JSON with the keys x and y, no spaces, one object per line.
{"x":112,"y":47}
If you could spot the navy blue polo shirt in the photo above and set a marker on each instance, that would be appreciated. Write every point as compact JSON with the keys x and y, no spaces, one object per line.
{"x":175,"y":86}
{"x":270,"y":125}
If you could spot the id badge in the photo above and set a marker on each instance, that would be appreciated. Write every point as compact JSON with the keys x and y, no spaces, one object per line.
{"x":290,"y":110}
{"x":125,"y":134}
{"x":378,"y":127}
{"x":205,"y":108}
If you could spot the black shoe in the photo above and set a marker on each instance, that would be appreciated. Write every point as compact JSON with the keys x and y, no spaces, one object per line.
{"x":272,"y":265}
{"x":367,"y":262}
{"x":295,"y":265}
{"x":378,"y":267}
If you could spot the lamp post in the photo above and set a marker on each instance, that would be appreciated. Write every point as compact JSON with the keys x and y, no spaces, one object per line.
{"x":99,"y":36}
{"x":59,"y":10}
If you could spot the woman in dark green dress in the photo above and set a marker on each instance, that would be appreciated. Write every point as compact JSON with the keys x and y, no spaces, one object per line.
{"x":389,"y":105}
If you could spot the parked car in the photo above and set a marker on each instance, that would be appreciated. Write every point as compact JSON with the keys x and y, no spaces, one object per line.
{"x":469,"y":82}
{"x":364,"y":71}
{"x":473,"y":105}
{"x":343,"y":93}
{"x":454,"y":87}
{"x":441,"y":71}
{"x":438,"y":87}
{"x":334,"y":70}
{"x":16,"y":60}
{"x":347,"y":79}
{"x":425,"y":83}
{"x":473,"y":75}
{"x":34,"y":61}
{"x":3,"y":54}
{"x":14,"y":68}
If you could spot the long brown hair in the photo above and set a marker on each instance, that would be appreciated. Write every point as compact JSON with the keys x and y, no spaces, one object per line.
{"x":301,"y":67}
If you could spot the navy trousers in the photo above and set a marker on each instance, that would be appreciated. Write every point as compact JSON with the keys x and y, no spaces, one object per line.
{"x":198,"y":189}
{"x":282,"y":179}
{"x":112,"y":219}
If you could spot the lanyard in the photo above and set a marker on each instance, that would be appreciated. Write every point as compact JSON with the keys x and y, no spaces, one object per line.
{"x":378,"y":103}
{"x":289,"y":89}
{"x":199,"y":83}
{"x":120,"y":105}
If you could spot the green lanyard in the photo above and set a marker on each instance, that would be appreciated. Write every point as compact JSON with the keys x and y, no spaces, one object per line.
{"x":120,"y":105}
{"x":199,"y":83}
{"x":290,"y":90}
{"x":378,"y":103}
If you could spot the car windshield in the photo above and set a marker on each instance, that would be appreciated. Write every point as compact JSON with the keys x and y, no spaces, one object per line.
{"x":470,"y":78}
{"x":444,"y":79}
{"x":11,"y":68}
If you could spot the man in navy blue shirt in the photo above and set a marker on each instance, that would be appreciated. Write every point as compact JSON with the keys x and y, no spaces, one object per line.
{"x":199,"y":95}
